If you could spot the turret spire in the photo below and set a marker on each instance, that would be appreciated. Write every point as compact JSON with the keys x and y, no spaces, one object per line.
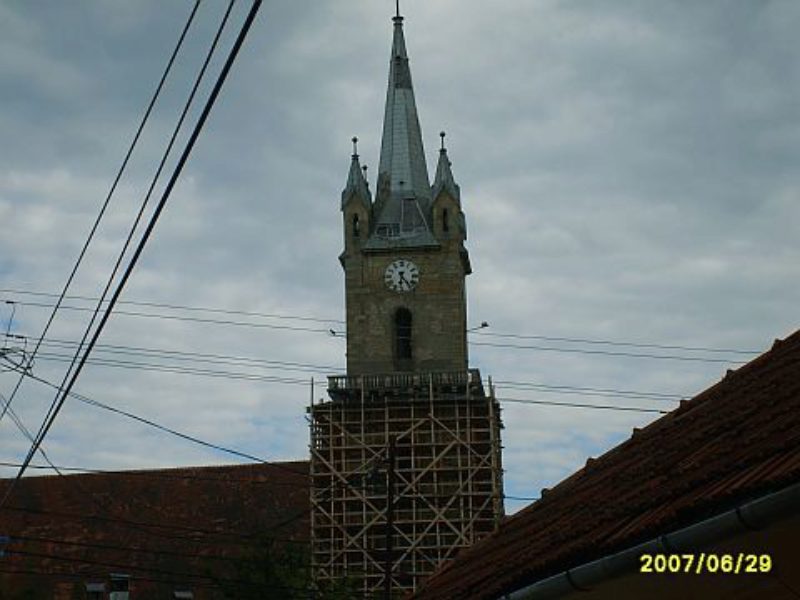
{"x":356,"y":181}
{"x":444,"y":176}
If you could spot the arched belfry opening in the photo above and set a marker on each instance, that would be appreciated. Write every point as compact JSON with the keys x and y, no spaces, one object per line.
{"x":403,"y":325}
{"x":356,"y":227}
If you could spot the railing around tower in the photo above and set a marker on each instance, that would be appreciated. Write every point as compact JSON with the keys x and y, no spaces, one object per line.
{"x":348,"y":385}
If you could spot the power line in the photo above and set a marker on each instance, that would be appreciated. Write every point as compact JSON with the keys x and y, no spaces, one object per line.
{"x":127,"y":549}
{"x":165,"y":429}
{"x":589,"y":391}
{"x":130,"y":550}
{"x":198,"y":579}
{"x":549,"y":338}
{"x":181,"y":435}
{"x":607,"y":353}
{"x":111,"y":191}
{"x":59,"y":471}
{"x":174,"y":473}
{"x":148,"y":231}
{"x":300,"y":515}
{"x":230,"y":322}
{"x":82,"y":577}
{"x":248,"y":456}
{"x":168,"y":473}
{"x":253,"y":362}
{"x":302,"y":592}
{"x":233,"y":375}
{"x":638,"y":409}
{"x":525,"y":498}
{"x":152,"y":528}
{"x":224,"y":311}
{"x":71,"y":376}
{"x":128,"y":567}
{"x":27,"y":434}
{"x":142,"y":366}
{"x":193,"y":356}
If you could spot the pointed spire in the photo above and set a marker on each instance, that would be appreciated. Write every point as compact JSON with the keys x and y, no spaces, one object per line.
{"x":402,"y":154}
{"x":444,"y":176}
{"x":356,"y":181}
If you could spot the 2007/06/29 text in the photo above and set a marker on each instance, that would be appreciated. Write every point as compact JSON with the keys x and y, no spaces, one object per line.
{"x":733,"y":564}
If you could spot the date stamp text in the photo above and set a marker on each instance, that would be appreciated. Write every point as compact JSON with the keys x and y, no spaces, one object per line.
{"x":732,"y":564}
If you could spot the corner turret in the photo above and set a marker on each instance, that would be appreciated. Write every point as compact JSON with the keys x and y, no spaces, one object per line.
{"x":356,"y":204}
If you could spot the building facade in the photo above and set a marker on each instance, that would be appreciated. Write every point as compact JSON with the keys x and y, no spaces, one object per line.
{"x":405,"y":455}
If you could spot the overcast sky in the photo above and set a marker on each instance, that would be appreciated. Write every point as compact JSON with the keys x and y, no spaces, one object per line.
{"x":627,"y":169}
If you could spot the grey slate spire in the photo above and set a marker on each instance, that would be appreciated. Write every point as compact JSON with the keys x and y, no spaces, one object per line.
{"x":356,"y":182}
{"x":403,"y":195}
{"x":444,"y":177}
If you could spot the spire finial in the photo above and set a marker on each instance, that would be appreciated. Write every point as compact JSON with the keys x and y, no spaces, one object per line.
{"x":397,"y":4}
{"x":355,"y":147}
{"x":441,"y":135}
{"x":364,"y":168}
{"x":397,"y":18}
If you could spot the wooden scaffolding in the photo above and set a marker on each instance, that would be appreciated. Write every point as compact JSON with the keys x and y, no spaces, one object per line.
{"x":406,"y":470}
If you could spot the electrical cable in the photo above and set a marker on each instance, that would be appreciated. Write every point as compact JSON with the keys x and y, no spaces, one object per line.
{"x":168,"y":473}
{"x":548,"y":338}
{"x":248,"y":456}
{"x":199,"y":580}
{"x":589,"y":391}
{"x":101,"y":576}
{"x":233,"y":323}
{"x":142,"y":366}
{"x":608,"y":353}
{"x":638,"y":409}
{"x":69,"y":376}
{"x":128,"y":313}
{"x":340,"y":321}
{"x":193,"y":356}
{"x":145,"y":236}
{"x":111,"y":191}
{"x":154,"y":529}
{"x":128,"y":567}
{"x":169,"y":430}
{"x":252,"y":362}
{"x":27,"y":434}
{"x":59,"y":472}
{"x":224,"y":311}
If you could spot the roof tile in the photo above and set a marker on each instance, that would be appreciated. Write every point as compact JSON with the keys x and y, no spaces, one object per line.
{"x":734,"y":441}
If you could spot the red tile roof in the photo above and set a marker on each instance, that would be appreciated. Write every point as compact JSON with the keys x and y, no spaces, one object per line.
{"x":737,"y":440}
{"x":154,"y":525}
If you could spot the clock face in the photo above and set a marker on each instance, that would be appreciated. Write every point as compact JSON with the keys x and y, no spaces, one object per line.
{"x":401,"y":275}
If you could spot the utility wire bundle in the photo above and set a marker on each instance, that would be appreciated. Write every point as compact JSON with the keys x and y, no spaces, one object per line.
{"x":81,"y":355}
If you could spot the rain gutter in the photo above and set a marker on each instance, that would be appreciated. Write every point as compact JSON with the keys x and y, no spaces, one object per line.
{"x":749,"y":516}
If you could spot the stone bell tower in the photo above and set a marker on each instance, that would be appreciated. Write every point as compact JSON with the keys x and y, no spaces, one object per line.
{"x":405,"y":456}
{"x":404,"y":257}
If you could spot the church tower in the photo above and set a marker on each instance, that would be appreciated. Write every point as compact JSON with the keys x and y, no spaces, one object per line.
{"x":404,"y":257}
{"x":405,"y":457}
